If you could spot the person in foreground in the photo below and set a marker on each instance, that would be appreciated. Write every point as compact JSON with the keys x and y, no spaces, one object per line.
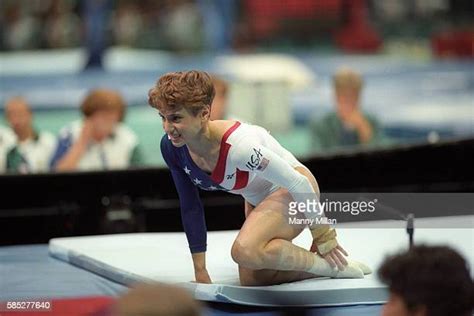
{"x":427,"y":281}
{"x":242,"y":159}
{"x":157,"y":300}
{"x":152,"y":299}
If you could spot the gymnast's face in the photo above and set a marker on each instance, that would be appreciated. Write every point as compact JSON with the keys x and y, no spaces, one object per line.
{"x":181,"y":126}
{"x":395,"y":306}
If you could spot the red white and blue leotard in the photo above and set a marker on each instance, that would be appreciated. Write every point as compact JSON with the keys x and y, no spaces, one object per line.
{"x":251,"y":163}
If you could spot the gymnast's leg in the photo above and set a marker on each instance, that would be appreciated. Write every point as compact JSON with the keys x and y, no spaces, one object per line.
{"x":265,"y":253}
{"x":254,"y":277}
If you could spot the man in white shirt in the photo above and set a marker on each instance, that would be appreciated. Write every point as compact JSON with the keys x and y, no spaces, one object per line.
{"x":7,"y":141}
{"x":33,"y":149}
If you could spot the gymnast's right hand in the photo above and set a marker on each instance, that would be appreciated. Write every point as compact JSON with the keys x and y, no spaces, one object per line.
{"x":200,"y":271}
{"x":202,"y":276}
{"x":325,"y":244}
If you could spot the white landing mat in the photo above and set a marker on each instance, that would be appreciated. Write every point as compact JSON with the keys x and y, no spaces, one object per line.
{"x":164,"y":257}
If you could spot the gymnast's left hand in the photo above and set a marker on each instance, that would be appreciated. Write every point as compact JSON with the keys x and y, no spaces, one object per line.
{"x":335,"y":257}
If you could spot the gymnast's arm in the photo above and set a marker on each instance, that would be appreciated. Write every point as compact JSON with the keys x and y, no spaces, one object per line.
{"x":249,"y":155}
{"x":192,"y":215}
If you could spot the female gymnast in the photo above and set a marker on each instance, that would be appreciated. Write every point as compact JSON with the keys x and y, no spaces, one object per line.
{"x":242,"y":159}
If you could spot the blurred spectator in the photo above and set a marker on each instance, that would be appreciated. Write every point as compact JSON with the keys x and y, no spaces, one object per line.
{"x":21,"y":28}
{"x":219,"y":104}
{"x":348,"y":125}
{"x":218,"y":23}
{"x":100,"y":140}
{"x":62,"y":25}
{"x":427,"y":281}
{"x":182,"y":26}
{"x":127,"y":24}
{"x":7,"y":141}
{"x":33,"y":149}
{"x":96,"y":14}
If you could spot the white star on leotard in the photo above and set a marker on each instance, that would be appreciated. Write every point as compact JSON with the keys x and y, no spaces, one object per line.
{"x":197,"y":181}
{"x":213,"y":188}
{"x":188,"y":171}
